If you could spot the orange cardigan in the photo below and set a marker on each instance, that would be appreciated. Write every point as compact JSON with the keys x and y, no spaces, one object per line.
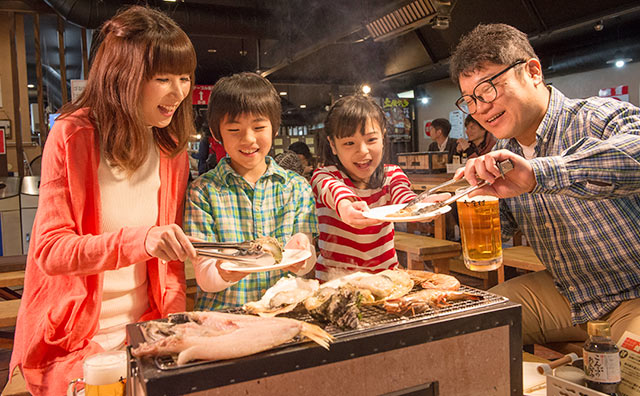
{"x":68,"y":254}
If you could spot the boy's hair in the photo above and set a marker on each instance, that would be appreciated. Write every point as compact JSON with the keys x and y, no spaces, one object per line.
{"x":495,"y":43}
{"x":135,"y":45}
{"x":347,"y":116}
{"x":469,"y":119}
{"x":243,"y":93}
{"x":442,"y":124}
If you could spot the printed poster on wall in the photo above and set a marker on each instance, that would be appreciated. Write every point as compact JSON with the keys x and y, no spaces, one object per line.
{"x":3,"y":149}
{"x":456,"y":118}
{"x":77,"y":86}
{"x":621,"y":92}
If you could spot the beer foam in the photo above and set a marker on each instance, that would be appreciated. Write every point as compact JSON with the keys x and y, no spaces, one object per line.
{"x":105,"y":368}
{"x":478,"y":198}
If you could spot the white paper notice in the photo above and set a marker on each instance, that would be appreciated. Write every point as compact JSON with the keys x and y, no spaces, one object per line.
{"x":629,"y":345}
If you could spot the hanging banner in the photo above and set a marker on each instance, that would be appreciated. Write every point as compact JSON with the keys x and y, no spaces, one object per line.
{"x":621,"y":92}
{"x":201,"y":94}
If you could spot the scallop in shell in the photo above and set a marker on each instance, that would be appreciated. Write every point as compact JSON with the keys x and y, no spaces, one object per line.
{"x":283,"y":297}
{"x":270,"y":245}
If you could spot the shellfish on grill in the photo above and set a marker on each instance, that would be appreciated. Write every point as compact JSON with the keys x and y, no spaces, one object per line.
{"x":283,"y":297}
{"x":270,"y":245}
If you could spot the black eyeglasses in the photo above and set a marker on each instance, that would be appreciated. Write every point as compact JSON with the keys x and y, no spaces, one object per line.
{"x":485,"y":92}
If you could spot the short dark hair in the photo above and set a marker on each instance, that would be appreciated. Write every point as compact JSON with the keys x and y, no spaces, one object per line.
{"x":442,"y":124}
{"x":469,"y":119}
{"x":495,"y":43}
{"x":302,"y":149}
{"x":243,"y":93}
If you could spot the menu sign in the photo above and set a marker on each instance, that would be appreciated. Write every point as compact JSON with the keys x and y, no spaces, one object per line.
{"x":201,"y":94}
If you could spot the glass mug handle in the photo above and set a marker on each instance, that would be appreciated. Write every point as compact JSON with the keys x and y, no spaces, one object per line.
{"x":71,"y":389}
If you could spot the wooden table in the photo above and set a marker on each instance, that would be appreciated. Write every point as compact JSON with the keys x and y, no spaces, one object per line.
{"x":8,"y":279}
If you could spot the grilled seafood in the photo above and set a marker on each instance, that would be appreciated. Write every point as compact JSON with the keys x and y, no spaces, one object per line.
{"x":376,"y":288}
{"x":270,"y":245}
{"x":283,"y":297}
{"x":340,"y":307}
{"x":422,"y":300}
{"x":431,"y":280}
{"x":218,"y":336}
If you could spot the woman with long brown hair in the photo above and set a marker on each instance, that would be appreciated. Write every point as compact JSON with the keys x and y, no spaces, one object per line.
{"x":106,"y":248}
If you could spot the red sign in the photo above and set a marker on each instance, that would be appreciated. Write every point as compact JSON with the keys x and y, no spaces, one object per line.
{"x":427,"y":128}
{"x":201,"y":94}
{"x":621,"y":92}
{"x":3,"y":149}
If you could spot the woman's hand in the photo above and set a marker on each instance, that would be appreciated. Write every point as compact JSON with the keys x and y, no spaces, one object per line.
{"x":169,"y":243}
{"x":301,"y":241}
{"x":351,"y":213}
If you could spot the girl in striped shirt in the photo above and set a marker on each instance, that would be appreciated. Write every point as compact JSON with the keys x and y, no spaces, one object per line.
{"x":354,"y":180}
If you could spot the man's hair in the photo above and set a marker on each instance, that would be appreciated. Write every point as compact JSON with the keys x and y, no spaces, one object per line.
{"x":498,"y":43}
{"x":442,"y":124}
{"x":302,"y":149}
{"x":243,"y":93}
{"x":134,"y":46}
{"x":469,"y":119}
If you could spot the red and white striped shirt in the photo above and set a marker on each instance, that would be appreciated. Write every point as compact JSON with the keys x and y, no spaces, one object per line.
{"x":347,"y":249}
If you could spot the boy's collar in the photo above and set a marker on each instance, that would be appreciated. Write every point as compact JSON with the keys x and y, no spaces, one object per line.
{"x":272,"y":169}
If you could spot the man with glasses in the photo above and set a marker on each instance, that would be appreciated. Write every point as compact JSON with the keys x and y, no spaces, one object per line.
{"x":573,"y":192}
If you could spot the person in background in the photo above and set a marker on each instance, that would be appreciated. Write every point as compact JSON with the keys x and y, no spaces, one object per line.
{"x":210,"y":151}
{"x":247,"y":195}
{"x":290,"y":161}
{"x":480,"y":140}
{"x":106,"y":248}
{"x":574,"y":190}
{"x":306,"y":158}
{"x":355,"y":181}
{"x":440,"y":129}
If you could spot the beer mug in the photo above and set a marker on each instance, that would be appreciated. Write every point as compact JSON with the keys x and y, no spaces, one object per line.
{"x":105,"y":374}
{"x":480,"y":232}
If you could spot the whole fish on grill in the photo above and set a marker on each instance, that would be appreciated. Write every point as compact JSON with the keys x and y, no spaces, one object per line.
{"x":218,"y":336}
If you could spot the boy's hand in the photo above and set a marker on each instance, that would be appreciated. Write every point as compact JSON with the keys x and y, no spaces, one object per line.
{"x":351,"y":213}
{"x":229,"y":276}
{"x":301,"y":241}
{"x":169,"y":243}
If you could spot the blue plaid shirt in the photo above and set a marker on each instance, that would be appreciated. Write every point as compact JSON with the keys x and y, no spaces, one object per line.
{"x":582,"y":219}
{"x":222,"y":207}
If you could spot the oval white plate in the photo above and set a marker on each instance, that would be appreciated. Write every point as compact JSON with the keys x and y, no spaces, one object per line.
{"x":289,"y":256}
{"x":384,"y":213}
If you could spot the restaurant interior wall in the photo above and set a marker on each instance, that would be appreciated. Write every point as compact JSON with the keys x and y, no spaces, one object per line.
{"x":7,"y":79}
{"x":443,"y":93}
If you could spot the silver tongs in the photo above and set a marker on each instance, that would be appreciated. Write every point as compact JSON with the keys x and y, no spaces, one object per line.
{"x":242,"y":253}
{"x":504,"y":167}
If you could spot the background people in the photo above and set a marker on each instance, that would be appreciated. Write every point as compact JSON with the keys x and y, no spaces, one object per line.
{"x":574,"y":190}
{"x":479,"y":141}
{"x":96,"y":264}
{"x":440,"y":129}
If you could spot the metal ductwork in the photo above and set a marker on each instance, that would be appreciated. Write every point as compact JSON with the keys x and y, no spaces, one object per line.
{"x":409,"y":17}
{"x":195,"y":19}
{"x":589,"y":58}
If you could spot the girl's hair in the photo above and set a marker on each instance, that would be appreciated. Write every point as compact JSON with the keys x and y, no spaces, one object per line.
{"x":347,"y":116}
{"x":243,"y":93}
{"x":135,"y":45}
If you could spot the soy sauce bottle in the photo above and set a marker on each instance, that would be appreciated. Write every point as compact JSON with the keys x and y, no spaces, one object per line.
{"x":601,"y":359}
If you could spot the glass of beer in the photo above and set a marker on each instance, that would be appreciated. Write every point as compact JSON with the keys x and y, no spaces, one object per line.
{"x":105,"y":374}
{"x":480,"y":232}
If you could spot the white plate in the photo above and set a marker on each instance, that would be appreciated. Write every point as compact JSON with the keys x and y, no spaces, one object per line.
{"x":384,"y":213}
{"x":289,"y":256}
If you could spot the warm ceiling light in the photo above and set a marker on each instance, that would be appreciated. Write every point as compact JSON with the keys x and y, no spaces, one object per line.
{"x":283,"y":93}
{"x":366,"y":89}
{"x":303,"y":106}
{"x":30,"y":86}
{"x":170,"y":1}
{"x":212,"y":51}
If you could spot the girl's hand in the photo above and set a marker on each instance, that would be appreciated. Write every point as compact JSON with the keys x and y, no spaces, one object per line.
{"x":351,"y":213}
{"x":169,"y":243}
{"x":229,"y":276}
{"x":301,"y":241}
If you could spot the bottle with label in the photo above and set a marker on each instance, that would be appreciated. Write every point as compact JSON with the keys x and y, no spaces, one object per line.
{"x":601,"y":359}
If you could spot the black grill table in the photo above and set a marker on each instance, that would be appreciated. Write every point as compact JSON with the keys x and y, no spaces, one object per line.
{"x":468,"y":348}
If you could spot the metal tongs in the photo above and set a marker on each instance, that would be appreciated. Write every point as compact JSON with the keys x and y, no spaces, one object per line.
{"x":242,"y":253}
{"x":504,"y":167}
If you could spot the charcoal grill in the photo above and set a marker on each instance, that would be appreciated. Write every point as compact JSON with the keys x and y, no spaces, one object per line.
{"x":482,"y":337}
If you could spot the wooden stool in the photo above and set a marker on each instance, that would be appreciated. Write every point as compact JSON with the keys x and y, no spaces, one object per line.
{"x":420,"y":248}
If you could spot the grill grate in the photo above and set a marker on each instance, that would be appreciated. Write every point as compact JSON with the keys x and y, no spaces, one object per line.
{"x":373,"y":318}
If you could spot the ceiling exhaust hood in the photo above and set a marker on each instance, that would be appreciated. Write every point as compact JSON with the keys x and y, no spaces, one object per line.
{"x":411,"y":16}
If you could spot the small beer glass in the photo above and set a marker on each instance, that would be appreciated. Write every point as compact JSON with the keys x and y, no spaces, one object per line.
{"x":105,"y":374}
{"x":480,"y":232}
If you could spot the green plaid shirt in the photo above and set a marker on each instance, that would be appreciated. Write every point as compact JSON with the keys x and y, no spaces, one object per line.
{"x":222,"y":207}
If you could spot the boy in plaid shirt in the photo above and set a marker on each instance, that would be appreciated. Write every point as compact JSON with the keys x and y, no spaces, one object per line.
{"x":247,"y":195}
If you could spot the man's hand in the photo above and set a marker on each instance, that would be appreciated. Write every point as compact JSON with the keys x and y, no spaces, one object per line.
{"x":518,"y":181}
{"x":351,"y":213}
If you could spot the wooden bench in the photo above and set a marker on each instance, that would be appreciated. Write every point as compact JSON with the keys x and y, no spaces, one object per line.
{"x":420,"y":248}
{"x":9,"y":279}
{"x":9,"y":312}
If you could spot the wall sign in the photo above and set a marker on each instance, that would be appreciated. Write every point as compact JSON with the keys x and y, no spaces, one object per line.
{"x":201,"y":94}
{"x":5,"y":125}
{"x":3,"y":146}
{"x":621,"y":92}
